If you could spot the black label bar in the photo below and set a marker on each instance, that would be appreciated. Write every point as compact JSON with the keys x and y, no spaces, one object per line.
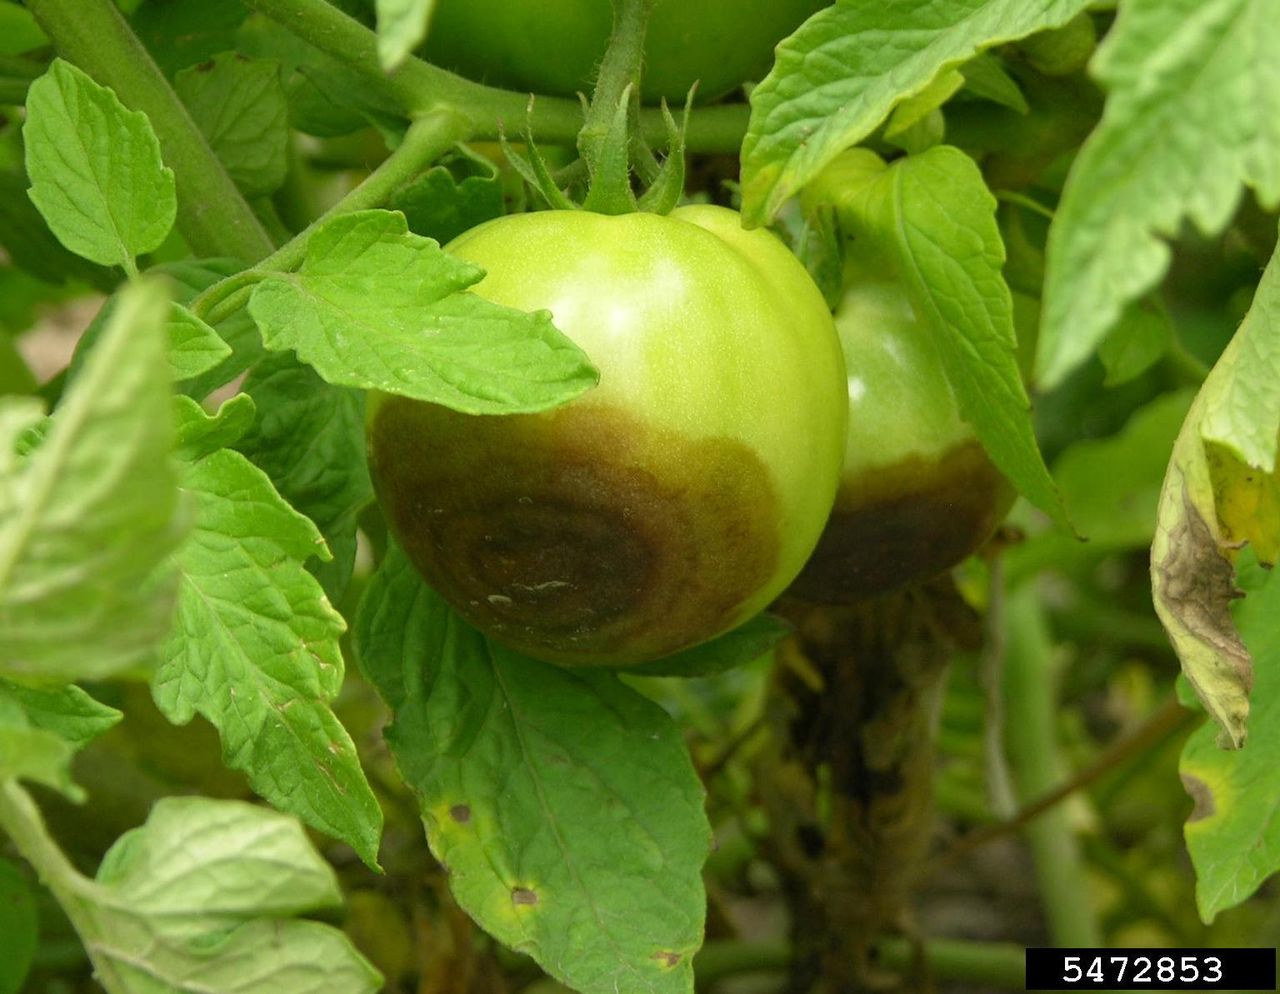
{"x":1151,"y":969}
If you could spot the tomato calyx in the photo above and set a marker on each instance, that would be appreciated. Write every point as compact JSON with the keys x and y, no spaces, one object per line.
{"x":610,"y":139}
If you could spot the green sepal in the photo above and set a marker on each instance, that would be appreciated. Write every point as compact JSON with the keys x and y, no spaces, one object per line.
{"x":534,"y":171}
{"x":665,"y":189}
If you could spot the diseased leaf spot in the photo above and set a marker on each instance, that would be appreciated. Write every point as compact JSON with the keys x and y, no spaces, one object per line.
{"x":460,"y":813}
{"x":1198,"y":586}
{"x":1202,"y":795}
{"x":668,"y":959}
{"x":523,"y":896}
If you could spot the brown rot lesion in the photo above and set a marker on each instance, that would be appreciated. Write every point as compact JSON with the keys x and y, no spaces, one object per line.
{"x":582,"y":535}
{"x":904,"y":524}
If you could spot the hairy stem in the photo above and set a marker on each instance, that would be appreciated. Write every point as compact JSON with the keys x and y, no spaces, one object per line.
{"x":20,"y":819}
{"x":419,"y":87}
{"x":427,"y":138}
{"x":212,"y":215}
{"x":1031,"y":690}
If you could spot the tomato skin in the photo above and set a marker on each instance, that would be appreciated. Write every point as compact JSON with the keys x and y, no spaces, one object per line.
{"x":918,"y":492}
{"x":671,"y":502}
{"x":554,"y":46}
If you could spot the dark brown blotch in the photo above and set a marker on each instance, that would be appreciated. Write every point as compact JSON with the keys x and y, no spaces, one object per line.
{"x":582,"y":535}
{"x":905,"y":524}
{"x":460,"y":813}
{"x":523,"y":896}
{"x":668,"y":959}
{"x":1201,"y":796}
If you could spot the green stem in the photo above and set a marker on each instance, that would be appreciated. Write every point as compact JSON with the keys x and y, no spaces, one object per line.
{"x":76,"y":894}
{"x":621,"y":65}
{"x":212,"y":215}
{"x":425,"y":141}
{"x":619,"y":69}
{"x":21,"y":821}
{"x":989,"y":964}
{"x":605,"y":139}
{"x":419,"y":87}
{"x":1031,"y":692}
{"x":986,"y":964}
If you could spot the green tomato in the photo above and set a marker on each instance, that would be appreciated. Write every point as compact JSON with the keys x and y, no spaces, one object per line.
{"x":671,"y":502}
{"x":554,"y":46}
{"x":917,"y":493}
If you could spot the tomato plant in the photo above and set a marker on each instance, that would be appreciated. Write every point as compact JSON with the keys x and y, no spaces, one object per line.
{"x":667,"y":505}
{"x":817,"y":538}
{"x":717,"y":44}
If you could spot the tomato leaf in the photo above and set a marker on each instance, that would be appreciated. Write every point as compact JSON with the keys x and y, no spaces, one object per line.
{"x":19,"y":31}
{"x":193,"y":347}
{"x":451,"y":197}
{"x":254,"y":649}
{"x":562,"y":802}
{"x":1232,"y":834}
{"x":985,"y":77}
{"x":95,"y":169}
{"x":99,"y":490}
{"x":377,"y":307}
{"x":745,"y":644}
{"x":934,"y":217}
{"x":838,"y":77}
{"x":1221,"y":491}
{"x":180,"y":33}
{"x":33,"y":248}
{"x":41,"y":730}
{"x":1139,"y":339}
{"x":200,"y":434}
{"x":402,"y":26}
{"x":309,"y":438}
{"x":202,"y":898}
{"x":1193,"y":114}
{"x":1112,"y":486}
{"x":239,"y":106}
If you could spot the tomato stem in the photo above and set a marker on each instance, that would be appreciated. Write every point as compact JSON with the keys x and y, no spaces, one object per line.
{"x":605,"y":139}
{"x":1031,"y":740}
{"x":420,"y":87}
{"x":21,"y":820}
{"x":425,"y":141}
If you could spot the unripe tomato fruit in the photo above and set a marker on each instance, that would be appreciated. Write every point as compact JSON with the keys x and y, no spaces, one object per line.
{"x":917,"y":492}
{"x":554,"y":46}
{"x":669,"y":503}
